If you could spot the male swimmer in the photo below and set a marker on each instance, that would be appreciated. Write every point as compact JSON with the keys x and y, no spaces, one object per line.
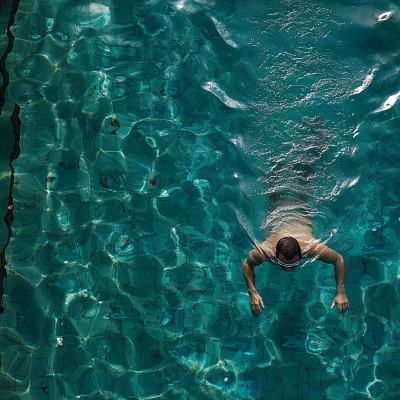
{"x":287,"y":247}
{"x":290,"y":238}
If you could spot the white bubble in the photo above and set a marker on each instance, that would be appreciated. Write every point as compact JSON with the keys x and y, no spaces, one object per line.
{"x":217,"y":91}
{"x":366,"y":82}
{"x":385,"y":16}
{"x":164,"y":193}
{"x":389,"y":103}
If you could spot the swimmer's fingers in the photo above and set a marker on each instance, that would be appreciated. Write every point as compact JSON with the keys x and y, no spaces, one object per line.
{"x":255,"y":309}
{"x":341,"y":302}
{"x":344,"y":307}
{"x":255,"y":301}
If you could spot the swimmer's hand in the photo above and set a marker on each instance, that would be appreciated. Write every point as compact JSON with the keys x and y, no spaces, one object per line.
{"x":255,"y":301}
{"x":341,"y":302}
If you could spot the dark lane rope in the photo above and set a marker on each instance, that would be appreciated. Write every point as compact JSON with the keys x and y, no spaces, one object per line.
{"x":16,"y":122}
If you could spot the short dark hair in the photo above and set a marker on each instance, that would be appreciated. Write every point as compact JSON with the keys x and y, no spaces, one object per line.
{"x":289,"y":247}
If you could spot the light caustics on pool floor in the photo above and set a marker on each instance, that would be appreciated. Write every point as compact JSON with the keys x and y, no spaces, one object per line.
{"x":150,"y":135}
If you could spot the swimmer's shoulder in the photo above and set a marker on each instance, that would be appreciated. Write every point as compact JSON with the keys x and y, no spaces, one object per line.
{"x":260,"y":253}
{"x":267,"y":248}
{"x":314,"y":248}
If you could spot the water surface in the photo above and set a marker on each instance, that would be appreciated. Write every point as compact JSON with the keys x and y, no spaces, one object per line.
{"x":154,"y":135}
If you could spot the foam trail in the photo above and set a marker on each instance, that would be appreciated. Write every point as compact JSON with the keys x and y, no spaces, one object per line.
{"x":215,"y":89}
{"x":366,"y":82}
{"x":224,"y":33}
{"x":389,"y":103}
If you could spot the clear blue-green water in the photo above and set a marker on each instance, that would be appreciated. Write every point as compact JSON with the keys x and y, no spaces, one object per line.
{"x":153,"y":134}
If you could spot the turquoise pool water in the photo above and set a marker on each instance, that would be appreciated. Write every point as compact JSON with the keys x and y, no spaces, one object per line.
{"x":153,"y":134}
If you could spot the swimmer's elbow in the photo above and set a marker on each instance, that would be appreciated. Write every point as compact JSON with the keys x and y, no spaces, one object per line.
{"x":246,"y":265}
{"x":254,"y":258}
{"x":328,"y":256}
{"x":335,"y":258}
{"x":340,"y":259}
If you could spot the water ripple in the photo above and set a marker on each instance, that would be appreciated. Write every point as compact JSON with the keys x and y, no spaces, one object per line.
{"x":159,"y":142}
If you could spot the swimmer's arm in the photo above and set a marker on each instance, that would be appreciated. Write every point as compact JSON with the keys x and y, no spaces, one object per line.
{"x":254,"y":258}
{"x":330,"y":256}
{"x":327,"y":255}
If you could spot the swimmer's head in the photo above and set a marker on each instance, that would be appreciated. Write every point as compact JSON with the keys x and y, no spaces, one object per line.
{"x":288,"y":253}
